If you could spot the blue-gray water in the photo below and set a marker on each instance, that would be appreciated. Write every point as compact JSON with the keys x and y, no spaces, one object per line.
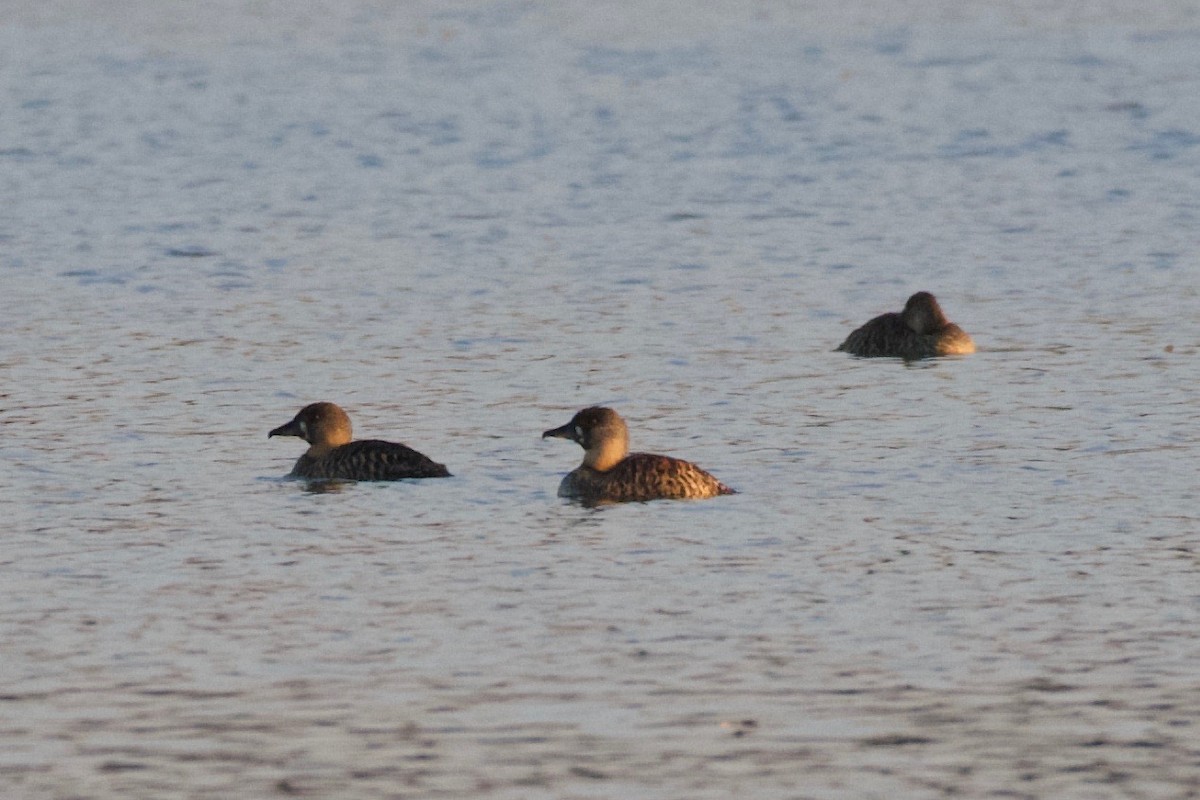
{"x":463,"y":222}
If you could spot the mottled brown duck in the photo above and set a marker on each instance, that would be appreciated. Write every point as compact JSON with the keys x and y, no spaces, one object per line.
{"x":333,"y":455}
{"x":921,"y":330}
{"x":611,"y":474}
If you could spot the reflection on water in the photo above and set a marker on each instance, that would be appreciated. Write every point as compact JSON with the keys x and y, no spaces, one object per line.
{"x":948,"y":577}
{"x":324,"y":486}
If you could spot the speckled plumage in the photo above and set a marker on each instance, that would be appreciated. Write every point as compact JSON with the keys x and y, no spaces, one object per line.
{"x":332,"y":454}
{"x":921,"y":330}
{"x":611,"y":474}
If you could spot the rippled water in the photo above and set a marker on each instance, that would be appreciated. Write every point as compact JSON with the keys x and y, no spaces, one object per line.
{"x":967,"y":577}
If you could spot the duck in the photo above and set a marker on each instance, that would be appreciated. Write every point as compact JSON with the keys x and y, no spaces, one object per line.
{"x":921,"y":330}
{"x":333,"y":456}
{"x":611,"y":474}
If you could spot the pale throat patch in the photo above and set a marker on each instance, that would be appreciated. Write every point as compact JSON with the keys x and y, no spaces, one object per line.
{"x":606,"y":454}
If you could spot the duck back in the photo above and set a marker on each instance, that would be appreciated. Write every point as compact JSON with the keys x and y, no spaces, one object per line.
{"x":369,"y":460}
{"x":882,"y":336}
{"x":642,"y":476}
{"x":889,"y":336}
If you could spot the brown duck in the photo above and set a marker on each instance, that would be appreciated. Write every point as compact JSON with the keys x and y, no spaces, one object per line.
{"x":333,"y":455}
{"x":611,"y":474}
{"x":921,"y":330}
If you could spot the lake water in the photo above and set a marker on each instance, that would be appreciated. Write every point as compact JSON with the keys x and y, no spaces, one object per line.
{"x":465,"y":221}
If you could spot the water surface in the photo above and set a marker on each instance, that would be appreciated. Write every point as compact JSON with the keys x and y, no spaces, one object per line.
{"x":971,"y":576}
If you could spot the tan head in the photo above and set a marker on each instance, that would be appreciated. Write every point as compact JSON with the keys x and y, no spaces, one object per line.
{"x":600,"y":432}
{"x":323,"y":425}
{"x":923,"y":314}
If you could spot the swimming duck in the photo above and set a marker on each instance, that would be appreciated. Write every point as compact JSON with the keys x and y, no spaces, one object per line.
{"x":611,"y":474}
{"x":326,"y":428}
{"x":921,"y":330}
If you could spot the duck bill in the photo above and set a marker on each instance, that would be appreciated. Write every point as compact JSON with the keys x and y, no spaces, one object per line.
{"x":290,"y":429}
{"x":565,"y":432}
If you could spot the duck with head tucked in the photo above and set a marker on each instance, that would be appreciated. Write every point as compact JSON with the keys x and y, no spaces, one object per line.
{"x":921,"y":330}
{"x":611,"y":474}
{"x":332,"y":454}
